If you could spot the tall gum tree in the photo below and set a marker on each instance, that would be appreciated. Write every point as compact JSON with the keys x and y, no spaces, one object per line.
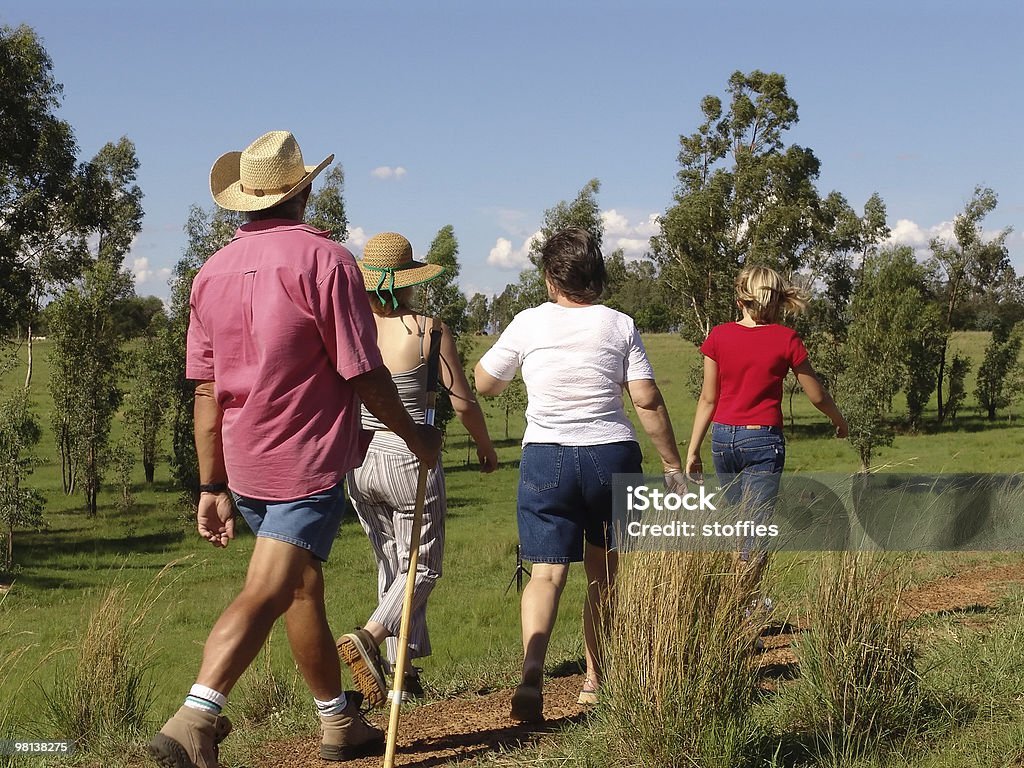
{"x":87,"y":352}
{"x":971,"y":263}
{"x":743,"y":196}
{"x":38,"y":183}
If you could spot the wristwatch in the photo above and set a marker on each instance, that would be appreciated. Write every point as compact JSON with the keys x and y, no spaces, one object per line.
{"x":213,"y":487}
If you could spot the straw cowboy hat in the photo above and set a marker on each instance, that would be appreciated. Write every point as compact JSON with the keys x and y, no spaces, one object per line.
{"x":388,"y":265}
{"x":267,"y":172}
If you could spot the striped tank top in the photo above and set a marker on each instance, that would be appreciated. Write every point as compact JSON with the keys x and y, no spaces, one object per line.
{"x":412,"y":390}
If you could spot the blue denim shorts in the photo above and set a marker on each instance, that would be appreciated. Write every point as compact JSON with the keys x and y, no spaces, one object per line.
{"x":310,"y":523}
{"x":565,"y":496}
{"x":749,"y":462}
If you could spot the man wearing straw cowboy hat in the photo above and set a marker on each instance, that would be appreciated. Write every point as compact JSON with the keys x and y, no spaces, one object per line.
{"x":282,"y":345}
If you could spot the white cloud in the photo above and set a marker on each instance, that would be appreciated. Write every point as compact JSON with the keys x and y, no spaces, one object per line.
{"x":143,"y":273}
{"x":356,"y":237}
{"x":614,"y":223}
{"x":632,"y":238}
{"x":387,"y":172}
{"x":619,"y":232}
{"x":912,"y":234}
{"x":633,"y":248}
{"x":504,"y":256}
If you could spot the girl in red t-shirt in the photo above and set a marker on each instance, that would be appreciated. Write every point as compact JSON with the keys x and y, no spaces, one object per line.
{"x":745,"y":363}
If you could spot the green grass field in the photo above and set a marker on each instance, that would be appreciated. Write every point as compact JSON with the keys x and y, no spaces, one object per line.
{"x":62,"y":572}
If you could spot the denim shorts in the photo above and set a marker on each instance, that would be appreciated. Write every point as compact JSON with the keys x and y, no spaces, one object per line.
{"x":565,"y":496}
{"x":749,"y":462}
{"x":310,"y":523}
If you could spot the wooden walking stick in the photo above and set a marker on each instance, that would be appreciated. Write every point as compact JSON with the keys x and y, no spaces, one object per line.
{"x":433,"y":366}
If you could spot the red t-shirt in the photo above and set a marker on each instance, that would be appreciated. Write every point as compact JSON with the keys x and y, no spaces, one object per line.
{"x":752,"y":363}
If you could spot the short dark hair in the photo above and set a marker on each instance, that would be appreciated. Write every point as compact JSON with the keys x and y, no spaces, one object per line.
{"x":291,"y":209}
{"x":572,"y":261}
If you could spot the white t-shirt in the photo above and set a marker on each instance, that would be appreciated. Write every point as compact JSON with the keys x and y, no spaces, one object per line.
{"x":575,"y":362}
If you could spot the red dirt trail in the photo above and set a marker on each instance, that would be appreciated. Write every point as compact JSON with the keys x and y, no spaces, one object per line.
{"x":449,"y":731}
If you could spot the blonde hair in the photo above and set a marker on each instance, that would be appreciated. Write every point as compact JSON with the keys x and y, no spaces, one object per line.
{"x":766,"y":295}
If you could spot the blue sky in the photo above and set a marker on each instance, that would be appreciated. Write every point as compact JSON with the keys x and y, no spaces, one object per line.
{"x":481,"y":115}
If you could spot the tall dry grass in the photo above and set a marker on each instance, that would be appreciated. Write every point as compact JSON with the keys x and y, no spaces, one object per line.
{"x":681,"y":673}
{"x":859,"y":690}
{"x":9,"y":662}
{"x":102,"y":689}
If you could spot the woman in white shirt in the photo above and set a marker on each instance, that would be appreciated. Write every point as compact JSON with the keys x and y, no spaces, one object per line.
{"x":577,"y":356}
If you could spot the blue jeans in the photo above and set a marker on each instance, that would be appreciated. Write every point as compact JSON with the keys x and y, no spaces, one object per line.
{"x":565,"y":496}
{"x":749,"y":462}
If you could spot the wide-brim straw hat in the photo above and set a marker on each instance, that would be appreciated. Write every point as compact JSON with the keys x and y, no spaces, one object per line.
{"x":388,"y":265}
{"x":267,"y":172}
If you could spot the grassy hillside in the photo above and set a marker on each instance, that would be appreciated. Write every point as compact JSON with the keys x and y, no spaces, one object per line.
{"x":63,"y":571}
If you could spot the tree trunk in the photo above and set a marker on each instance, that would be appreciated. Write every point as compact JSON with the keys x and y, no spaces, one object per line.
{"x":938,"y":380}
{"x":91,"y":485}
{"x":150,"y":468}
{"x":67,"y":470}
{"x":28,"y":373}
{"x":9,"y":553}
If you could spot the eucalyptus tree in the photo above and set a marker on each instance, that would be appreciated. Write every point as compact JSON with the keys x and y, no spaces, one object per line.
{"x":39,"y":185}
{"x":326,"y":207}
{"x":87,"y":355}
{"x":743,"y":196}
{"x":87,"y":370}
{"x":149,"y":392}
{"x":442,"y":296}
{"x":477,"y":314}
{"x":999,"y":371}
{"x":20,"y":506}
{"x":971,"y":263}
{"x":890,"y":315}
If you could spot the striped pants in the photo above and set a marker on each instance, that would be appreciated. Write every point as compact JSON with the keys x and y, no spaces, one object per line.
{"x":383,"y":492}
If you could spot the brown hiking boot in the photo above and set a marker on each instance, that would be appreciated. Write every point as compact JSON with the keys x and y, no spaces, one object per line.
{"x":347,"y":735}
{"x":360,"y":652}
{"x":190,"y":739}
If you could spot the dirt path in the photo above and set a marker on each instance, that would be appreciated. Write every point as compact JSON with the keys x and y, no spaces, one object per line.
{"x":448,"y":731}
{"x":454,"y":729}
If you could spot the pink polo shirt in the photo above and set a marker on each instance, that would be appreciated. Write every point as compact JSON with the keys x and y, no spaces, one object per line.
{"x":280,"y":322}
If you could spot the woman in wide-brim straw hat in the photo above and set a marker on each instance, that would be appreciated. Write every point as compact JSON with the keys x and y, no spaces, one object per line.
{"x":383,"y":489}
